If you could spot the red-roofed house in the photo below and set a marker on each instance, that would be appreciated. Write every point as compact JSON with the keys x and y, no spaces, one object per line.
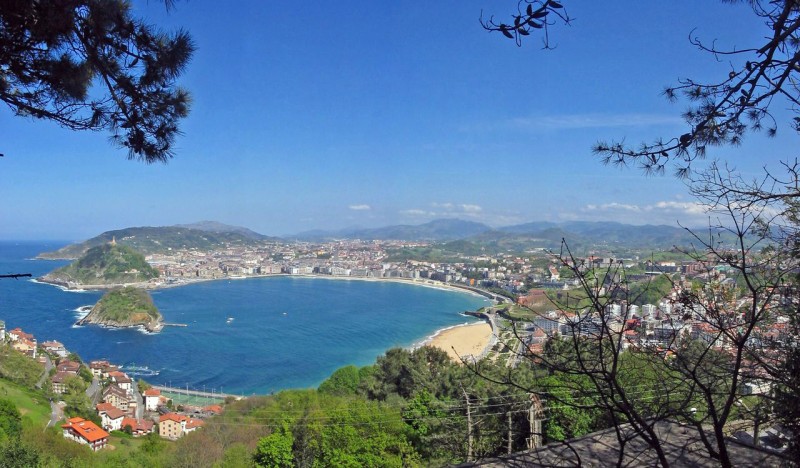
{"x":192,"y":425}
{"x":17,"y":334}
{"x":55,"y":347}
{"x":118,"y":397}
{"x":103,"y":407}
{"x":59,"y":382}
{"x":71,"y":367}
{"x":174,"y":426}
{"x":139,"y":427}
{"x":26,"y":346}
{"x":121,"y":379}
{"x":111,"y":418}
{"x":85,"y":432}
{"x":101,"y":368}
{"x":152,"y":397}
{"x":215,"y":409}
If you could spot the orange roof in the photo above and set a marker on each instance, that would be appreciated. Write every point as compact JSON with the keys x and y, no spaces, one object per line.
{"x":192,"y":423}
{"x":152,"y":392}
{"x":138,"y":424}
{"x":104,"y":406}
{"x":115,"y":413}
{"x":172,"y":417}
{"x":213,"y":409}
{"x":86,"y":429}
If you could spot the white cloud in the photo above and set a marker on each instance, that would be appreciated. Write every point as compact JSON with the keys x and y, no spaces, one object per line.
{"x":447,"y":210}
{"x":417,"y":212}
{"x":614,"y":206}
{"x":660,"y":212}
{"x":686,"y":207}
{"x":360,"y":207}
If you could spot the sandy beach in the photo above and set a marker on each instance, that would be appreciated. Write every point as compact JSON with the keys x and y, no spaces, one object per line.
{"x":463,"y":340}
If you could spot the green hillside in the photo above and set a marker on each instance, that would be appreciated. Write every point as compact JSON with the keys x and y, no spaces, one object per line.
{"x":148,"y":240}
{"x":125,"y":307}
{"x":106,"y":264}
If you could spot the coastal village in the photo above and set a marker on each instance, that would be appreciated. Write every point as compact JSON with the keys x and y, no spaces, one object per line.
{"x":120,"y":402}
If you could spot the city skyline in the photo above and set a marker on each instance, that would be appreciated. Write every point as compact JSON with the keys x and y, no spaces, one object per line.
{"x":328,"y":116}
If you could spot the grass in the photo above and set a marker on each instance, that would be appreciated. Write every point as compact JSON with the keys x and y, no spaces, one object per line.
{"x":123,"y":443}
{"x":31,"y":404}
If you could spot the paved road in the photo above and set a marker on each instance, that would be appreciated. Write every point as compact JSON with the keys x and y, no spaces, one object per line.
{"x":93,"y":391}
{"x":139,"y":399}
{"x":56,"y":414}
{"x":48,"y":364}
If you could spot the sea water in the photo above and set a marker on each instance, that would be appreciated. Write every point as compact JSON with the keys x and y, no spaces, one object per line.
{"x":286,"y":332}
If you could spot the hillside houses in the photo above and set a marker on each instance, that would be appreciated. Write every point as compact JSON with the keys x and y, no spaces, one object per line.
{"x":22,"y":342}
{"x":55,"y":348}
{"x":119,"y":398}
{"x":85,"y":432}
{"x":153,"y":399}
{"x":173,"y":426}
{"x":110,"y":416}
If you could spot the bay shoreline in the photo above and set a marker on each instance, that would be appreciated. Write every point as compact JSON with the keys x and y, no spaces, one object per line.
{"x":470,"y":338}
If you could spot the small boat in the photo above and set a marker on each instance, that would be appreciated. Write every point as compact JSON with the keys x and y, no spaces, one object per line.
{"x":230,"y":319}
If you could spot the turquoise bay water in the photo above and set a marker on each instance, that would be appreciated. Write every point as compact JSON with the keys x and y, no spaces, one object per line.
{"x":287,"y":332}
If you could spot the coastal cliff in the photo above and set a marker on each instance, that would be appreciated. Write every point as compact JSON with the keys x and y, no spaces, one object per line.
{"x":125,"y":307}
{"x":106,"y":265}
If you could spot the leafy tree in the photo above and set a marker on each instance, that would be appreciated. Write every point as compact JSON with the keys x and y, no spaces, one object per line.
{"x":566,"y":419}
{"x":152,"y":443}
{"x":236,"y":456}
{"x":364,"y":434}
{"x":276,"y":448}
{"x":343,"y":381}
{"x":90,"y":65}
{"x":10,"y":421}
{"x":402,"y":372}
{"x":85,"y":374}
{"x":18,"y":456}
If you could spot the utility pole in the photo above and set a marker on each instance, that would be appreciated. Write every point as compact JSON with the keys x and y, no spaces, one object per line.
{"x":469,"y":425}
{"x":510,"y":435}
{"x":535,"y":416}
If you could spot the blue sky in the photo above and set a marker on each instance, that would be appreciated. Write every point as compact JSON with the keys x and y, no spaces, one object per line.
{"x":333,"y":114}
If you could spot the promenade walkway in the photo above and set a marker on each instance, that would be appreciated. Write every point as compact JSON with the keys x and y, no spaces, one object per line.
{"x":198,"y":393}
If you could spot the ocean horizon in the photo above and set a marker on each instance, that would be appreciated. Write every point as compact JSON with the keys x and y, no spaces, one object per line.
{"x":243,"y":336}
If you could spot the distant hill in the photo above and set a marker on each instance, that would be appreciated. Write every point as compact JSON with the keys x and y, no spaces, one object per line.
{"x":149,"y":240}
{"x":125,"y":307}
{"x":105,"y":264}
{"x":599,"y":233}
{"x":214,"y":226}
{"x":437,"y":230}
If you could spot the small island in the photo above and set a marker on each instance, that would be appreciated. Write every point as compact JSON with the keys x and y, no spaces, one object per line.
{"x":103,"y":267}
{"x":123,"y":308}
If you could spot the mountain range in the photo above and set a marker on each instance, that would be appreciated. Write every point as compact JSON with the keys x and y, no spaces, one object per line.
{"x":457,"y":235}
{"x":533,"y":234}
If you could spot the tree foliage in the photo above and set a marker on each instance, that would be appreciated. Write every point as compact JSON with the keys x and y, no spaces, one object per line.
{"x":90,"y":65}
{"x":10,"y":421}
{"x":719,"y":336}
